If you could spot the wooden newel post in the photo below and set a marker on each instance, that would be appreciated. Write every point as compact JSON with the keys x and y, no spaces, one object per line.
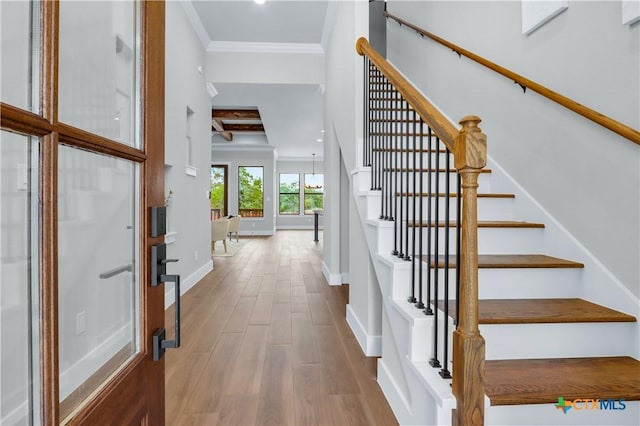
{"x":468,"y":344}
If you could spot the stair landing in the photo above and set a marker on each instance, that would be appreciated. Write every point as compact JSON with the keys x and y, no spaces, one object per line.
{"x":542,"y":381}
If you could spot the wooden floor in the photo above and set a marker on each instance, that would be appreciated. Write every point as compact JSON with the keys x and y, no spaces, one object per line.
{"x":265,"y":342}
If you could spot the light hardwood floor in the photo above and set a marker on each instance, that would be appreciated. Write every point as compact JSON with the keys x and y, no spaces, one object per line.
{"x":265,"y":342}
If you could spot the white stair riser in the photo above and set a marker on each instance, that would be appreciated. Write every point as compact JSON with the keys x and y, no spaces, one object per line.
{"x":488,"y":208}
{"x":548,"y":414}
{"x":570,"y":340}
{"x":505,"y":283}
{"x":490,"y":240}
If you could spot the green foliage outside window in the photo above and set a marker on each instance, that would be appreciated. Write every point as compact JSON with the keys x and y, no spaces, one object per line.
{"x":217,"y":189}
{"x":289,"y":194}
{"x":251,"y":190}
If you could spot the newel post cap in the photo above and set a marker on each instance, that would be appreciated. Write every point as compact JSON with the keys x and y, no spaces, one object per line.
{"x":471,"y":144}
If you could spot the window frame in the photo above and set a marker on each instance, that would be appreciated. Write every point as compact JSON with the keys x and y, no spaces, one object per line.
{"x":280,"y":194}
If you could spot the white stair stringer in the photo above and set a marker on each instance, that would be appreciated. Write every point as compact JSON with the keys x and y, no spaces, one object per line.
{"x":429,"y":400}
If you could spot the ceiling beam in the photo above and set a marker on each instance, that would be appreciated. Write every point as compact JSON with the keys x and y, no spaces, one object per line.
{"x":237,"y":127}
{"x":218,"y":127}
{"x":236,"y":114}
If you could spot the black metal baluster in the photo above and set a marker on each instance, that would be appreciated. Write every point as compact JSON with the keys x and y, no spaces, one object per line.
{"x":396,"y":102}
{"x":445,"y":373}
{"x":365,"y":110}
{"x":382,"y":95}
{"x":402,"y":194}
{"x":392,"y":129}
{"x":406,"y":201}
{"x":412,"y":298}
{"x":384,"y":214}
{"x":428,"y":310}
{"x":420,"y":304}
{"x":374,"y":127}
{"x":436,"y":258}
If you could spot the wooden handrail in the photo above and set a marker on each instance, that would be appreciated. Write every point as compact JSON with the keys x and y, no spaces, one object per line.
{"x":469,"y":148}
{"x":601,"y":119}
{"x":438,"y":123}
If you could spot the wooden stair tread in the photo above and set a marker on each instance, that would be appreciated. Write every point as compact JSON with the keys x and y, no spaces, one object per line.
{"x":484,"y":224}
{"x":453,"y":194}
{"x":542,"y":311}
{"x":543,"y":381}
{"x":512,"y":261}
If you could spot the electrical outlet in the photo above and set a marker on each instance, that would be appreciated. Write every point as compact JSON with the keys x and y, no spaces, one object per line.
{"x":195,"y":255}
{"x":81,"y":322}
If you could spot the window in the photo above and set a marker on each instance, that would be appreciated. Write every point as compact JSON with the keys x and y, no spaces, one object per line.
{"x":251,"y":191}
{"x":218,"y":191}
{"x":313,"y":192}
{"x":289,"y":194}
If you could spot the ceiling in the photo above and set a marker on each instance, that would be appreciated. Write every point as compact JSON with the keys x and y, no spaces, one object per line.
{"x":292,"y":114}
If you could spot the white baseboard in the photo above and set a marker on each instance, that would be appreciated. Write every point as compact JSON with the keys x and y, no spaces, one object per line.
{"x":19,"y":415}
{"x":332,"y":279}
{"x":345,"y":278}
{"x":74,"y":375}
{"x":193,"y":279}
{"x":371,"y":345}
{"x":266,"y":233}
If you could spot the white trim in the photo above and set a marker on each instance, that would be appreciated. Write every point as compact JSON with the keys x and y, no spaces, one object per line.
{"x":190,"y":170}
{"x":264,"y":47}
{"x":241,"y":147}
{"x":300,"y":159}
{"x":266,"y":233}
{"x":332,"y":279}
{"x":371,"y":345}
{"x":397,"y":400}
{"x":186,"y":285}
{"x":196,"y":23}
{"x":346,"y":278}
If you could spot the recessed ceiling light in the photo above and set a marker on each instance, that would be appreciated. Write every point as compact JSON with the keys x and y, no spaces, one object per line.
{"x":259,"y":1}
{"x":318,"y":140}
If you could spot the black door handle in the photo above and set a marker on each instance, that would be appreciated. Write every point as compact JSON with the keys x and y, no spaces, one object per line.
{"x":159,"y":275}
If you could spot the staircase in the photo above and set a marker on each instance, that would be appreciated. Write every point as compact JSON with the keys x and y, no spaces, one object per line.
{"x":555,"y":354}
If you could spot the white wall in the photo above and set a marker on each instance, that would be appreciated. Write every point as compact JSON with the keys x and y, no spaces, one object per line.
{"x":585,"y":176}
{"x":188,"y":211}
{"x":250,"y":156}
{"x":301,"y":167}
{"x":274,"y":68}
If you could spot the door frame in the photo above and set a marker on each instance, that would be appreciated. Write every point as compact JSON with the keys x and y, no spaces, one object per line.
{"x":141,"y":377}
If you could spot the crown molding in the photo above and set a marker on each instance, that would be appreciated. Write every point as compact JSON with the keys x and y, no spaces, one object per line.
{"x":196,"y":23}
{"x":263,"y":47}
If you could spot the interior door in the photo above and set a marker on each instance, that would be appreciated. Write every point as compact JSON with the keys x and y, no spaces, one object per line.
{"x":82,"y":163}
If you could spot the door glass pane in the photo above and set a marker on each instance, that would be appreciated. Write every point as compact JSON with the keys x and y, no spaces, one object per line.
{"x":19,"y":283}
{"x":99,"y":59}
{"x":20,"y":54}
{"x":98,"y":290}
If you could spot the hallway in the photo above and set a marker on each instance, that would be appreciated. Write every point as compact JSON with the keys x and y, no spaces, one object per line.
{"x":265,"y":342}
